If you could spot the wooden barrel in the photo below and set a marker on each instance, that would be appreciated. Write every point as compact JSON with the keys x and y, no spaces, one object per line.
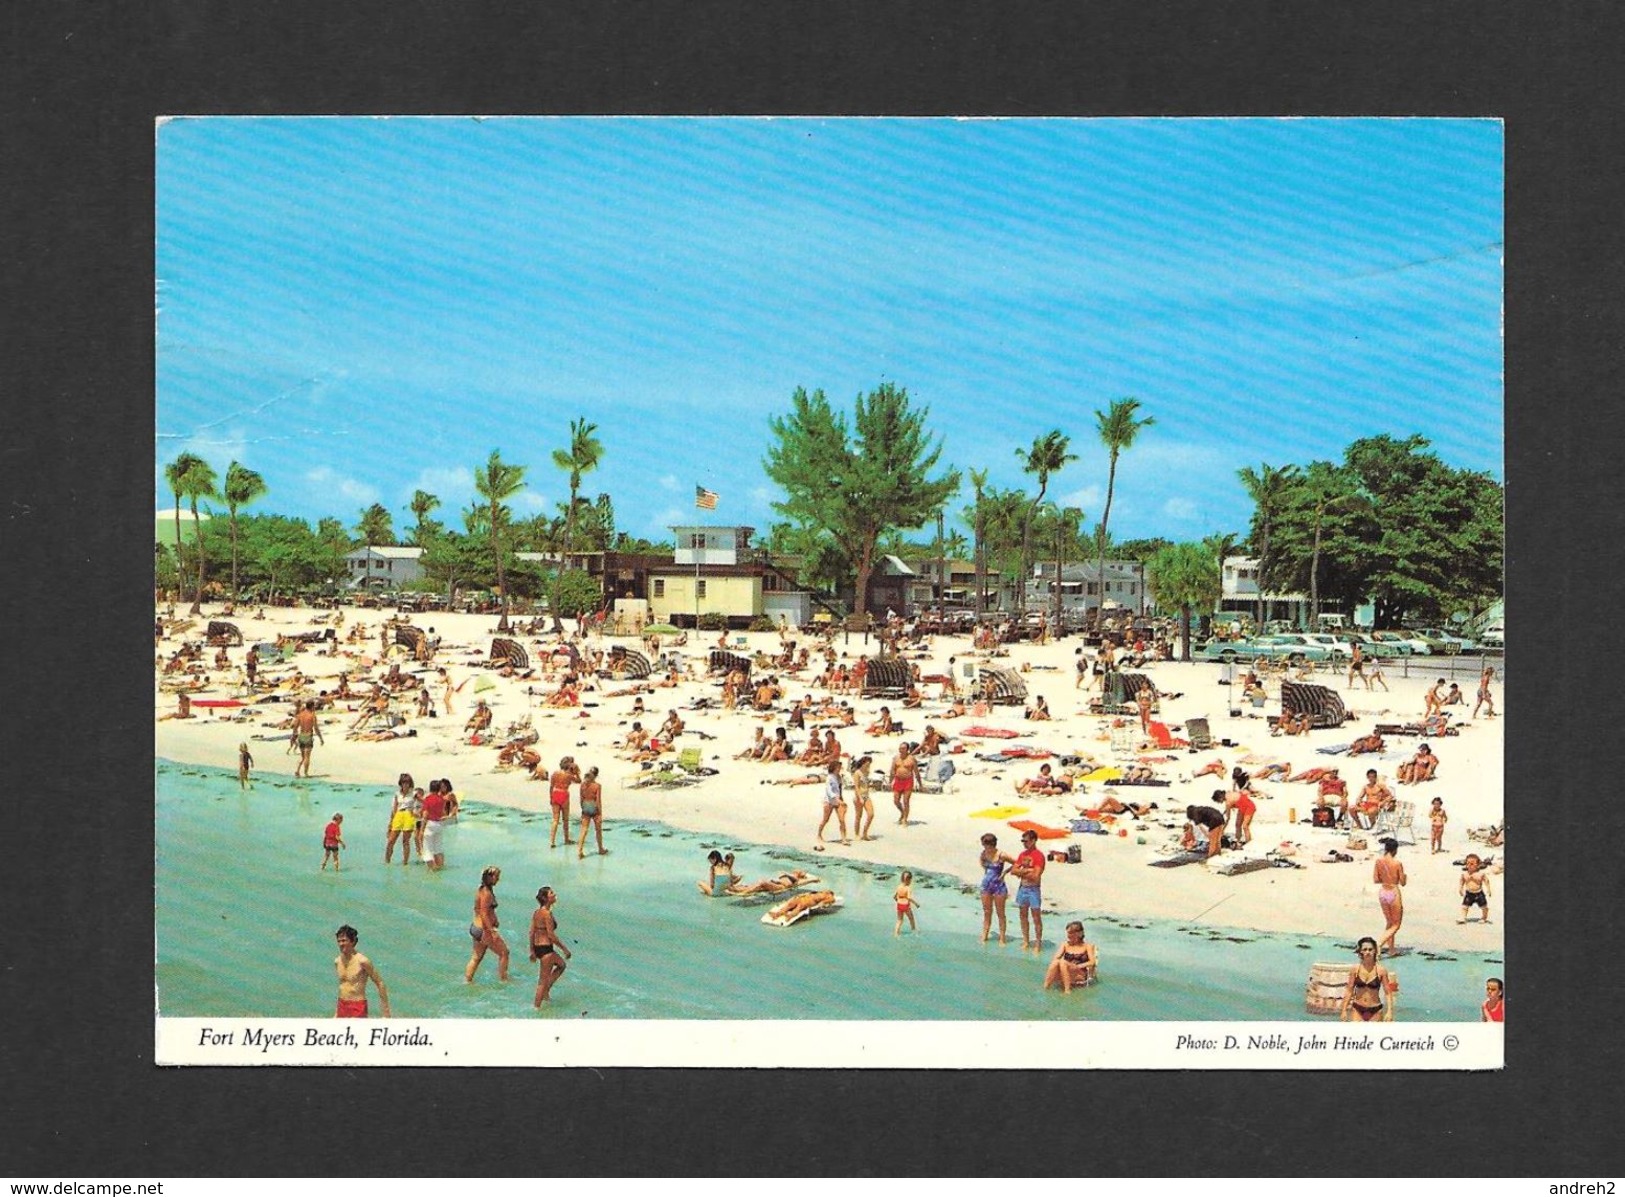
{"x":1327,"y":985}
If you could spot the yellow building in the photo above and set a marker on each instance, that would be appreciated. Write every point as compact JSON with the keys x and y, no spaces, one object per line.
{"x":732,"y":591}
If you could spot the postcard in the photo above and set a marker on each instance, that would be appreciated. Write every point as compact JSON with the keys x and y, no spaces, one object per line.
{"x":829,"y":592}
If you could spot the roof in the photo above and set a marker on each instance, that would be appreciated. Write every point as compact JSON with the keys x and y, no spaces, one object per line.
{"x":893,"y":566}
{"x":397,"y":551}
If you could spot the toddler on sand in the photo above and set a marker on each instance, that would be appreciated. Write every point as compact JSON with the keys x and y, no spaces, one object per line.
{"x":1438,"y":819}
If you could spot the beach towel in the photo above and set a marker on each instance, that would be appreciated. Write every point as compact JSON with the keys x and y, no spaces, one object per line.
{"x":1087,"y":827}
{"x":996,"y":733}
{"x":1334,"y":749}
{"x":1043,"y":832}
{"x":1104,"y":773}
{"x":1176,"y":859}
{"x":1237,"y":865}
{"x":216,"y":702}
{"x":992,"y":812}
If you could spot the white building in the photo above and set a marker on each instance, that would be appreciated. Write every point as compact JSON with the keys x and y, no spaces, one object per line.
{"x":1240,"y":592}
{"x":383,"y":566}
{"x":1081,"y":590}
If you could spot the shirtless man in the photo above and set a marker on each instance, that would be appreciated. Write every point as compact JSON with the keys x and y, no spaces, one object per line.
{"x":1375,"y":797}
{"x":905,"y":770}
{"x":306,"y":731}
{"x":354,"y":971}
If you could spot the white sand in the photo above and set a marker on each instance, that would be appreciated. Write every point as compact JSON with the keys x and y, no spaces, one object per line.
{"x":1332,"y":899}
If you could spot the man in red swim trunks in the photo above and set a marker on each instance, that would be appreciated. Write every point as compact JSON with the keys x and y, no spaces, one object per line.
{"x":354,"y":971}
{"x":904,"y":769}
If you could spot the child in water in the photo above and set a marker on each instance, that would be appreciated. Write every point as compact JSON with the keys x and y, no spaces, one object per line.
{"x":904,"y":897}
{"x":331,"y":842}
{"x":245,"y":762}
{"x":1437,"y":819}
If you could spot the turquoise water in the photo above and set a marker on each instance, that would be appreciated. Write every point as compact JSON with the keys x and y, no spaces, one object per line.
{"x":245,"y":924}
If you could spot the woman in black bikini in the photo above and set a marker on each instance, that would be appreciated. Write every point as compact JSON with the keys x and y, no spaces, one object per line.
{"x":1074,"y":962}
{"x":546,"y":948}
{"x":1368,"y":983}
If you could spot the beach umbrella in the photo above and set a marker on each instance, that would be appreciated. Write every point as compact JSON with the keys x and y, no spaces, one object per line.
{"x":660,"y":629}
{"x":483,"y":684}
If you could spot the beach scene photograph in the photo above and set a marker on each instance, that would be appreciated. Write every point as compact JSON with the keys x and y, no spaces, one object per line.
{"x":718,"y":591}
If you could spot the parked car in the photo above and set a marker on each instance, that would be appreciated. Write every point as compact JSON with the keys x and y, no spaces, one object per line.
{"x":1447,"y":642}
{"x":1291,"y":648}
{"x":1493,"y":636}
{"x":1339,"y":650}
{"x":1377,"y":644}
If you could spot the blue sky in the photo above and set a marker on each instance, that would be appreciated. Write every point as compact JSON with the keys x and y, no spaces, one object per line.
{"x":358,"y":308}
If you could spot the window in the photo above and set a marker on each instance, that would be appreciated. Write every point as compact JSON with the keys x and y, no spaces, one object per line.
{"x":696,"y":540}
{"x":660,"y":588}
{"x":699,"y":588}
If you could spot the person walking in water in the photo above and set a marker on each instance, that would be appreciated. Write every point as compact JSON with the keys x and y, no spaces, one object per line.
{"x":546,"y":948}
{"x":354,"y":971}
{"x":307,"y":729}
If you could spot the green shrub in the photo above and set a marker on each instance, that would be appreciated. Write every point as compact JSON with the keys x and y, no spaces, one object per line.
{"x":763,"y":624}
{"x":712,"y":621}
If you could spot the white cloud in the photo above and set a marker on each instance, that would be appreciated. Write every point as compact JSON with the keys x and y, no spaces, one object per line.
{"x":1090,"y":498}
{"x":324,"y":479}
{"x":668,"y":482}
{"x":530,"y":499}
{"x":1182,"y":510}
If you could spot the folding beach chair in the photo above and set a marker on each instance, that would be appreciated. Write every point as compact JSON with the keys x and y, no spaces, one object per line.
{"x":1399,"y":822}
{"x":936,"y":775}
{"x":1199,"y":734}
{"x":1123,"y":738}
{"x":688,"y":760}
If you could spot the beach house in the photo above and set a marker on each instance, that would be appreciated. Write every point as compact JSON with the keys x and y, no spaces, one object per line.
{"x":383,"y":567}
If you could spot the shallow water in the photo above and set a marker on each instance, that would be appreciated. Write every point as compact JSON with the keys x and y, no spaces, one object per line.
{"x":245,"y":922}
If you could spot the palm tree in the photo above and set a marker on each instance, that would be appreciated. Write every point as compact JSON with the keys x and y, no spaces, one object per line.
{"x":581,"y":458}
{"x":1118,"y":428}
{"x":1221,"y":545}
{"x":243,"y":486}
{"x":177,"y":474}
{"x":1184,"y":575}
{"x":978,"y":480}
{"x":495,"y":483}
{"x":1067,"y":520}
{"x":375,"y":526}
{"x":1048,"y":454}
{"x":422,"y":503}
{"x":1267,"y":487}
{"x":200,"y":483}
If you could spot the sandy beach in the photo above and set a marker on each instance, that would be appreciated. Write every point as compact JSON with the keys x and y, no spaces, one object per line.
{"x":1329,"y":898}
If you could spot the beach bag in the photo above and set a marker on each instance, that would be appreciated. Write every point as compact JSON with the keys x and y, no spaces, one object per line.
{"x":1074,"y":854}
{"x":1323,"y":816}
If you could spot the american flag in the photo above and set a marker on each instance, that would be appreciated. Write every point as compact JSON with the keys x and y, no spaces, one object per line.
{"x":706,"y":499}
